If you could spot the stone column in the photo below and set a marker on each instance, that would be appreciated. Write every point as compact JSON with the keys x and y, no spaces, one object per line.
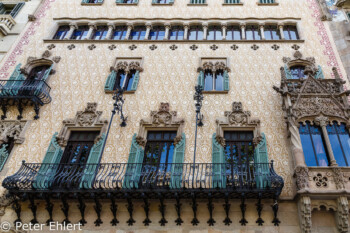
{"x":243,"y":31}
{"x":72,"y":27}
{"x":148,"y":30}
{"x":186,"y":27}
{"x":280,"y":27}
{"x":128,"y":32}
{"x":224,"y":27}
{"x":92,"y":27}
{"x":167,"y":30}
{"x":304,"y":209}
{"x":205,"y":30}
{"x":110,"y":31}
{"x":262,"y":33}
{"x":323,"y":121}
{"x":342,"y":214}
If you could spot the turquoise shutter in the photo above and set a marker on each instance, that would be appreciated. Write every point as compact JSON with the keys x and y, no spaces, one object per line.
{"x":226,"y":81}
{"x":319,"y":73}
{"x":4,"y":154}
{"x":219,"y":167}
{"x":134,"y":166}
{"x":99,"y":1}
{"x":201,"y":79}
{"x":171,"y":1}
{"x":261,"y":160}
{"x":287,"y":72}
{"x":84,"y":1}
{"x":177,"y":166}
{"x":12,"y":85}
{"x":92,"y":163}
{"x":136,"y":1}
{"x":2,"y":8}
{"x":136,"y":81}
{"x":49,"y":166}
{"x":119,"y":1}
{"x":38,"y":88}
{"x":16,"y":9}
{"x":111,"y":81}
{"x":154,"y":1}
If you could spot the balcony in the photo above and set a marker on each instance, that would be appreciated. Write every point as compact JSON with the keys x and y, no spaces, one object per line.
{"x":6,"y":24}
{"x":22,"y":93}
{"x":144,"y":181}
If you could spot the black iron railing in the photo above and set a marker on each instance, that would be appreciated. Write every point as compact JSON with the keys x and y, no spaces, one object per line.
{"x":37,"y":90}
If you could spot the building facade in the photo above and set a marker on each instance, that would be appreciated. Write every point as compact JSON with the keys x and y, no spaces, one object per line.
{"x":233,"y":117}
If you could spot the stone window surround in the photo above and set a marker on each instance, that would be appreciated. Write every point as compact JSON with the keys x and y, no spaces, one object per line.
{"x":92,"y":23}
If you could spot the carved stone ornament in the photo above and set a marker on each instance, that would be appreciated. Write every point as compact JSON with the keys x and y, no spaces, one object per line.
{"x":325,"y":14}
{"x":308,"y":62}
{"x":5,"y":201}
{"x":342,"y":215}
{"x":302,"y":177}
{"x":338,"y":177}
{"x":87,"y":119}
{"x":44,"y":60}
{"x":304,"y":208}
{"x":127,"y":66}
{"x":46,"y":54}
{"x":163,"y":118}
{"x":237,"y":118}
{"x":12,"y":129}
{"x":213,"y":66}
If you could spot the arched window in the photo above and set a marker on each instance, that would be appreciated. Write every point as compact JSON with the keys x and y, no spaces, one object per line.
{"x":213,"y":81}
{"x":100,"y":33}
{"x":234,"y":33}
{"x":157,"y":33}
{"x":120,"y":33}
{"x":239,"y":147}
{"x":252,"y":32}
{"x":290,"y":32}
{"x":297,"y":72}
{"x":195,"y":33}
{"x":124,"y":79}
{"x":80,"y":33}
{"x":138,"y":33}
{"x":61,"y":32}
{"x":214,"y":33}
{"x":340,"y":142}
{"x":313,"y":145}
{"x":271,"y":32}
{"x":177,"y":33}
{"x":38,"y":72}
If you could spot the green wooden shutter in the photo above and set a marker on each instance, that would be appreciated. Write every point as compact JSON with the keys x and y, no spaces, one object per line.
{"x":219,"y":168}
{"x":111,"y":81}
{"x":177,"y":166}
{"x":16,"y":9}
{"x":171,"y":1}
{"x":12,"y":85}
{"x":49,"y":166}
{"x":99,"y":1}
{"x":226,"y":81}
{"x":319,"y":73}
{"x":92,"y":163}
{"x":136,"y":1}
{"x":201,"y":79}
{"x":134,"y":166}
{"x":2,"y":8}
{"x":43,"y":79}
{"x":136,"y":81}
{"x":154,"y":1}
{"x":261,"y":160}
{"x":119,"y":1}
{"x":4,"y":154}
{"x":287,"y":72}
{"x":84,"y":1}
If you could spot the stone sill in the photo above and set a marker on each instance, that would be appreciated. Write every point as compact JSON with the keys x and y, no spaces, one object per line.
{"x":174,"y":41}
{"x":267,"y":4}
{"x":197,"y":4}
{"x":125,"y":92}
{"x":92,"y":4}
{"x":233,"y":4}
{"x":215,"y":92}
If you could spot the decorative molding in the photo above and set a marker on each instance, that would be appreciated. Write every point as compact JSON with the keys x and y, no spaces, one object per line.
{"x":275,"y":47}
{"x":320,"y":180}
{"x":193,"y":47}
{"x":173,"y":47}
{"x":132,"y":47}
{"x":91,"y":47}
{"x":213,"y":67}
{"x":234,"y":47}
{"x":214,"y":47}
{"x":127,"y":66}
{"x":338,"y":178}
{"x":254,"y":47}
{"x":301,"y":173}
{"x":71,"y":46}
{"x":87,"y":119}
{"x":153,"y":47}
{"x":112,"y":47}
{"x":163,"y":118}
{"x":304,"y":208}
{"x":12,"y":129}
{"x":295,"y":47}
{"x":298,"y":60}
{"x":342,"y":215}
{"x":325,"y":14}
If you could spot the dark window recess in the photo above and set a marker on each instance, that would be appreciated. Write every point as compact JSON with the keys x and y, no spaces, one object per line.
{"x":10,"y":9}
{"x":120,"y":33}
{"x":37,"y":73}
{"x":80,"y":33}
{"x":138,"y":33}
{"x":253,"y":32}
{"x":124,"y":80}
{"x":234,"y":33}
{"x":297,"y":72}
{"x":157,"y":33}
{"x":100,"y":33}
{"x":61,"y":32}
{"x":195,"y":33}
{"x":214,"y":81}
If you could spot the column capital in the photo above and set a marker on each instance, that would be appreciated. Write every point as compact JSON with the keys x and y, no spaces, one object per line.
{"x":130,"y":25}
{"x":73,"y":25}
{"x":186,"y":25}
{"x":280,"y":25}
{"x":242,"y":25}
{"x":261,"y":25}
{"x":149,"y":25}
{"x":111,"y":25}
{"x":204,"y":25}
{"x":92,"y":25}
{"x":224,"y":25}
{"x":321,"y":121}
{"x":167,"y":25}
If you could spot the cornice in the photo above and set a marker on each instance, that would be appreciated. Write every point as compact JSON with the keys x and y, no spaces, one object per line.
{"x":204,"y":19}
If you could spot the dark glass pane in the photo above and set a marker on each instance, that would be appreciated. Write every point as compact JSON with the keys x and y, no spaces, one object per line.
{"x":119,"y":33}
{"x":208,"y":81}
{"x":219,"y":81}
{"x":297,"y":72}
{"x":61,"y":32}
{"x":130,"y":80}
{"x":336,"y":147}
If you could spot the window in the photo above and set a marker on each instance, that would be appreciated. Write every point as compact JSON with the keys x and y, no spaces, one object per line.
{"x":10,"y":9}
{"x":163,"y":1}
{"x":157,"y":33}
{"x":290,"y":32}
{"x":340,"y":142}
{"x":232,"y":1}
{"x":124,"y":80}
{"x":196,"y":33}
{"x":100,"y":33}
{"x":38,"y":73}
{"x":313,"y":145}
{"x":297,"y":72}
{"x":80,"y":33}
{"x":252,"y":32}
{"x":138,"y":33}
{"x":127,"y":1}
{"x":92,"y":1}
{"x":234,"y":33}
{"x":214,"y":81}
{"x":120,"y":33}
{"x":214,"y":33}
{"x":271,"y":32}
{"x":177,"y":33}
{"x":267,"y":1}
{"x":197,"y":1}
{"x":61,"y":32}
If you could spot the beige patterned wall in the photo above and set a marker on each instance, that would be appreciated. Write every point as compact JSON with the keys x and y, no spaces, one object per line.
{"x":168,"y":76}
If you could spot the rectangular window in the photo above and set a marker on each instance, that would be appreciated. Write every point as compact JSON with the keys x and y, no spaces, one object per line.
{"x":10,"y":9}
{"x":340,"y":142}
{"x":120,"y":33}
{"x":177,"y":33}
{"x":234,"y":33}
{"x":290,"y":32}
{"x":80,"y":33}
{"x":271,"y":32}
{"x":61,"y":32}
{"x":267,"y":1}
{"x":252,"y":32}
{"x":100,"y":33}
{"x":232,"y":1}
{"x":197,"y":1}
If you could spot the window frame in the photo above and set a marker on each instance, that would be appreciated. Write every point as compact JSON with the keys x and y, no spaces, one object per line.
{"x":286,"y":29}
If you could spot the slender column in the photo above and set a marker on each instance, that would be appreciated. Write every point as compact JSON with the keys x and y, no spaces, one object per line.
{"x":167,"y":29}
{"x":280,"y":27}
{"x":243,"y":31}
{"x":323,"y":121}
{"x":224,"y":27}
{"x":128,"y":32}
{"x":262,"y":33}
{"x":186,"y":27}
{"x":205,"y":30}
{"x":110,"y":31}
{"x":92,"y":27}
{"x":148,"y":29}
{"x":72,"y":27}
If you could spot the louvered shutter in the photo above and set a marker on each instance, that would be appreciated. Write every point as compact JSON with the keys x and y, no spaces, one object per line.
{"x":219,"y":168}
{"x":91,"y":168}
{"x":111,"y":81}
{"x":99,"y":1}
{"x":171,"y":1}
{"x":136,"y":81}
{"x":40,"y":83}
{"x":13,"y":84}
{"x":136,"y":1}
{"x":226,"y":81}
{"x":201,"y":79}
{"x":287,"y":72}
{"x":134,"y":166}
{"x":119,"y":1}
{"x":2,"y":8}
{"x":154,"y":1}
{"x":85,"y":1}
{"x":261,"y":160}
{"x":4,"y":154}
{"x":16,"y":9}
{"x":319,"y":73}
{"x":177,"y":166}
{"x":47,"y":171}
